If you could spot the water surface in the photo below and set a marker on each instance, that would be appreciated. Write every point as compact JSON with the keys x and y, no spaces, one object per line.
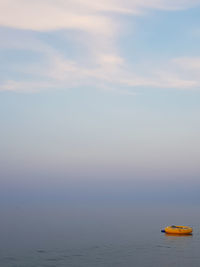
{"x":97,"y":235}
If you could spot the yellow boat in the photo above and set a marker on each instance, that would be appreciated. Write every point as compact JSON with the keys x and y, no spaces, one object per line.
{"x":177,"y":229}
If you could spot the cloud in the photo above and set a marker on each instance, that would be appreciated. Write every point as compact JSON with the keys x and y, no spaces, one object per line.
{"x":96,"y":26}
{"x":49,"y":15}
{"x":32,"y":87}
{"x":188,"y":63}
{"x":86,"y":15}
{"x":77,"y":14}
{"x":64,"y":74}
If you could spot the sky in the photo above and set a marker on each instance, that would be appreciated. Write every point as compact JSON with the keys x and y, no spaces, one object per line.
{"x":99,"y":92}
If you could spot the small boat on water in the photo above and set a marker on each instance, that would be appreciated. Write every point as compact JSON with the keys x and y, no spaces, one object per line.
{"x":177,"y":229}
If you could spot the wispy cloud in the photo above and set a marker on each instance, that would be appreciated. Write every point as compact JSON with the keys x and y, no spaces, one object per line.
{"x":86,"y":15}
{"x":97,"y":26}
{"x":188,"y":63}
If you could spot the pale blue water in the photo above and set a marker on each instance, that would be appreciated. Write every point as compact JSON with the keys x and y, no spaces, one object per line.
{"x":97,"y":235}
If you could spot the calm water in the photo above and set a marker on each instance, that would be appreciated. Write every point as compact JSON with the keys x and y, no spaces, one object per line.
{"x":97,"y":235}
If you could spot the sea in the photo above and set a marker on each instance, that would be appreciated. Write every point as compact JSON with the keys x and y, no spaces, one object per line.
{"x":106,"y":234}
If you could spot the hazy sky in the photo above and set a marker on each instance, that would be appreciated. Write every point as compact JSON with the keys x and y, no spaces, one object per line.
{"x":97,"y":88}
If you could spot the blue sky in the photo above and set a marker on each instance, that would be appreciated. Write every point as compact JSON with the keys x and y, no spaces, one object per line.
{"x":100,"y":89}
